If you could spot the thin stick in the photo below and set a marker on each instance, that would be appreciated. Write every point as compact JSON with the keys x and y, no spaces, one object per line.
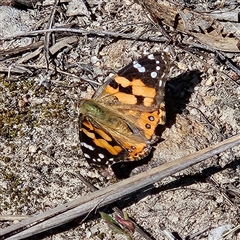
{"x":48,"y":34}
{"x":88,"y":31}
{"x":76,"y":208}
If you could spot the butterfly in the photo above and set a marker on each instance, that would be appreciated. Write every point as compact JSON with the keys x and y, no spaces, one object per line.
{"x":119,"y":122}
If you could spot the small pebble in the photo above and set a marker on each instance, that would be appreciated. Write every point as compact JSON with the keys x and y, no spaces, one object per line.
{"x":32,"y":149}
{"x":210,"y":81}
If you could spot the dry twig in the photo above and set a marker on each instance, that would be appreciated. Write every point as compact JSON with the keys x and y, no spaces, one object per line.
{"x":100,"y":33}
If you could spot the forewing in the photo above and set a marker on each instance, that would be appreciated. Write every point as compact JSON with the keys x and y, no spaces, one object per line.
{"x":140,"y":83}
{"x":98,"y":146}
{"x":139,"y":86}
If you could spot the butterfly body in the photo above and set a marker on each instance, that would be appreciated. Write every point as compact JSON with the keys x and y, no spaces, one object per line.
{"x":119,"y":122}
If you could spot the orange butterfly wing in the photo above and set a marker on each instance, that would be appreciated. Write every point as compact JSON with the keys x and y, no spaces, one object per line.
{"x":125,"y":112}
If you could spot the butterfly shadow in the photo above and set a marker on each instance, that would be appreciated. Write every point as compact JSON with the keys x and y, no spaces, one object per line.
{"x":178,"y":91}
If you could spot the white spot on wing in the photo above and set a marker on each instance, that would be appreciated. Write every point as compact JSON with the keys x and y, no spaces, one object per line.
{"x":153,"y":74}
{"x":160,"y":83}
{"x":151,"y":57}
{"x":138,"y":66}
{"x":158,"y":68}
{"x":86,"y":155}
{"x":87,"y":146}
{"x":141,"y":69}
{"x":151,"y":118}
{"x":101,"y":155}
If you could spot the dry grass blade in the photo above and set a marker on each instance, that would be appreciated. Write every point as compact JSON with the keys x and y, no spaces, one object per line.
{"x":67,"y":212}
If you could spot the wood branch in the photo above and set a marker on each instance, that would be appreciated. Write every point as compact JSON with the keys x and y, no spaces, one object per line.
{"x":76,"y":208}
